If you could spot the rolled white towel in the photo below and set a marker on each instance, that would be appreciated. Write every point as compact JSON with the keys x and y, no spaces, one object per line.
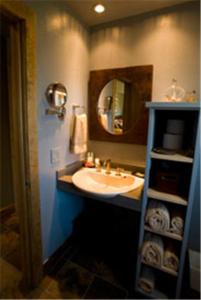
{"x":147,"y":280}
{"x":177,"y":223}
{"x":171,"y":260}
{"x":157,"y":216}
{"x":152,"y":250}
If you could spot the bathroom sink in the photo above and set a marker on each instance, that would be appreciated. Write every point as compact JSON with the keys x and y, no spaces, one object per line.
{"x":101,"y":184}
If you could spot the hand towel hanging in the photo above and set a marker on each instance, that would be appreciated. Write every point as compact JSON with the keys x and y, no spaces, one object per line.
{"x":78,"y":143}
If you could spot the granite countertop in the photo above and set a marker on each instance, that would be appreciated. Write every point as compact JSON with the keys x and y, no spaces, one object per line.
{"x":130,"y":200}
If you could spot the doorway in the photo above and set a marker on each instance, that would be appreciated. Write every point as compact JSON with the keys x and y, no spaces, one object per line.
{"x":20,"y":237}
{"x":9,"y":222}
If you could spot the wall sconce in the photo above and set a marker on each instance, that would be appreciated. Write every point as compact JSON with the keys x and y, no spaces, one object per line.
{"x":56,"y":95}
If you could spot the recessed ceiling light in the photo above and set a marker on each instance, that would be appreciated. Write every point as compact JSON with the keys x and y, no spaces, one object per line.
{"x":99,"y":8}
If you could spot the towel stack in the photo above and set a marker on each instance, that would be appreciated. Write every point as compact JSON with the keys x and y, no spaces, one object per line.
{"x":159,"y":218}
{"x":154,"y":253}
{"x":171,"y":260}
{"x":177,"y":223}
{"x":147,"y":280}
{"x":152,"y":250}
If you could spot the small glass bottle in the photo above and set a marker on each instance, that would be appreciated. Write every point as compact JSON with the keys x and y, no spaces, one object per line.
{"x":175,"y":93}
{"x":192,"y":97}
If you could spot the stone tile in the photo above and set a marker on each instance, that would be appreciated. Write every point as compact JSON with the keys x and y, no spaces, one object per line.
{"x":87,"y":260}
{"x":2,"y":228}
{"x":14,"y":258}
{"x":41,"y":290}
{"x":72,"y":282}
{"x":12,"y":222}
{"x":11,"y":293}
{"x":101,"y":289}
{"x":10,"y":280}
{"x":95,"y":264}
{"x":9,"y":242}
{"x":46,"y":295}
{"x":58,"y":259}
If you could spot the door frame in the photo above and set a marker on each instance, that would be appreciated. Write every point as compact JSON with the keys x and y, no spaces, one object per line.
{"x":24,"y":141}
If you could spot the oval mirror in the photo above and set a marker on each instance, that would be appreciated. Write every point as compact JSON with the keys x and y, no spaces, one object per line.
{"x":112,"y":106}
{"x":56,"y":95}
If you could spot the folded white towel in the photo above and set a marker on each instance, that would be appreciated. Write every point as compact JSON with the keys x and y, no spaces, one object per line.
{"x":153,"y":250}
{"x":147,"y":280}
{"x":158,"y":216}
{"x":78,"y":143}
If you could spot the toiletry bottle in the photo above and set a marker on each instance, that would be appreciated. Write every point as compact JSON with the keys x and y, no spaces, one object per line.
{"x":90,"y":160}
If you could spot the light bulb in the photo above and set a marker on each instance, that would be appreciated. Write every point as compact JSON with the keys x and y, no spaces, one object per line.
{"x":99,"y":8}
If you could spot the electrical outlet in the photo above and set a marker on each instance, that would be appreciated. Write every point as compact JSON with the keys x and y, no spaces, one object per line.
{"x":55,"y":155}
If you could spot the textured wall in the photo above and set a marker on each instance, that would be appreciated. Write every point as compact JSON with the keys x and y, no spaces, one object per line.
{"x":169,"y":39}
{"x":62,"y":55}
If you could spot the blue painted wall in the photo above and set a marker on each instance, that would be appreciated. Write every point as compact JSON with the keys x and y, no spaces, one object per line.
{"x":62,"y":55}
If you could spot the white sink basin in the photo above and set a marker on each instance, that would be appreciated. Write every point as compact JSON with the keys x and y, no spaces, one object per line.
{"x":100,"y":184}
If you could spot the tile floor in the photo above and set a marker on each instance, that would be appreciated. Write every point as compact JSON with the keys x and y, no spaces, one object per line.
{"x":79,"y":269}
{"x":10,"y":239}
{"x":10,"y":274}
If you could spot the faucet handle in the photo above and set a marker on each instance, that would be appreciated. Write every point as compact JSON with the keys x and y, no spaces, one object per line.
{"x":106,"y":162}
{"x":98,"y":164}
{"x":107,"y":166}
{"x":118,"y":171}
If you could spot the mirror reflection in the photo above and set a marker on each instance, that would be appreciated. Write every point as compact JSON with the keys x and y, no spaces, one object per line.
{"x":56,"y":95}
{"x":111,"y":107}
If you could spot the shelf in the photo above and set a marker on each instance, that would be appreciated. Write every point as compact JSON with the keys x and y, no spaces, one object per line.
{"x":151,"y":193}
{"x":162,"y":105}
{"x":162,"y":268}
{"x":172,"y":157}
{"x":156,"y":294}
{"x":167,"y":234}
{"x":168,"y":280}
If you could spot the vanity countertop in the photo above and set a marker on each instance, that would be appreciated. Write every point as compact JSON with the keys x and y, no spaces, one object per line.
{"x":130,"y":200}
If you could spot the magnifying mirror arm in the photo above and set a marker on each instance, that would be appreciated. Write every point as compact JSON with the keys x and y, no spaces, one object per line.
{"x":60,"y":112}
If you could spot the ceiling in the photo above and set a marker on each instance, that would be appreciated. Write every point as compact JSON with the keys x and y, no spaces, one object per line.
{"x":115,"y":9}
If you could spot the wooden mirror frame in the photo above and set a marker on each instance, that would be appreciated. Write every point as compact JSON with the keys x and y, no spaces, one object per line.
{"x":140,"y":77}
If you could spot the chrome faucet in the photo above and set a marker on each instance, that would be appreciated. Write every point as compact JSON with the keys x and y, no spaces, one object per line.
{"x":108,"y":166}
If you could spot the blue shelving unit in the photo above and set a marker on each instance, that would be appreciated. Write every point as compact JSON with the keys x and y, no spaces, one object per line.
{"x":155,"y":110}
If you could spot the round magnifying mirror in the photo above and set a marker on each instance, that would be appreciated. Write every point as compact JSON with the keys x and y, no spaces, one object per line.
{"x":56,"y":95}
{"x":112,"y":107}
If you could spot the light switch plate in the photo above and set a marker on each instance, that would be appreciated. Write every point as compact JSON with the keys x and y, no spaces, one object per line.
{"x":55,"y":155}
